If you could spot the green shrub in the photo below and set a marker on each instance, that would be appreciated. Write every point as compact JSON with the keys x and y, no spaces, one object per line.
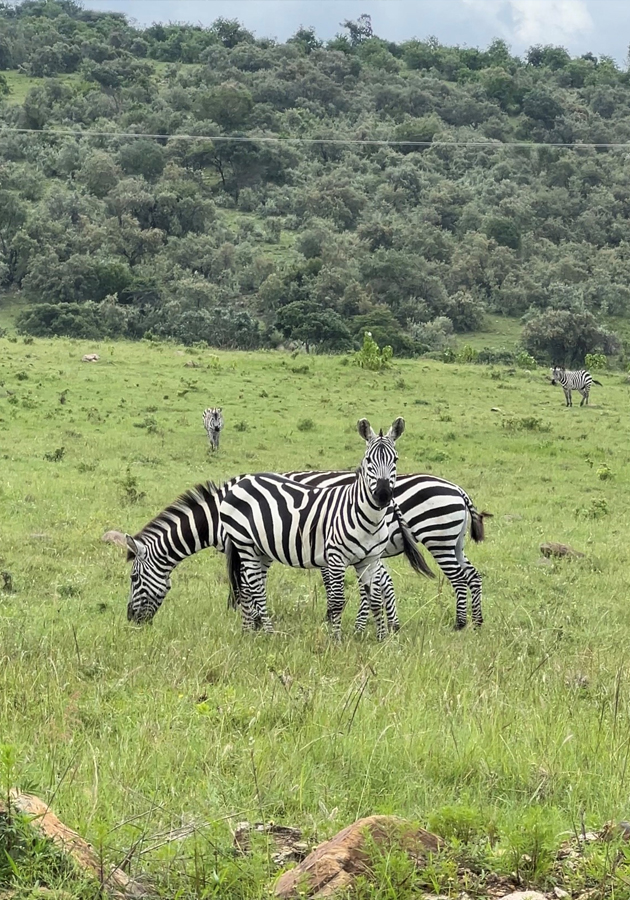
{"x":305,"y":425}
{"x":596,"y":362}
{"x":370,"y":356}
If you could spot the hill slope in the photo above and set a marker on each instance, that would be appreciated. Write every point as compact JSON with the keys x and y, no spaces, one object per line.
{"x":302,"y":231}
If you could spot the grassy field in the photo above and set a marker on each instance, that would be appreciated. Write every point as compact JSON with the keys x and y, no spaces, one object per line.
{"x":131,"y":732}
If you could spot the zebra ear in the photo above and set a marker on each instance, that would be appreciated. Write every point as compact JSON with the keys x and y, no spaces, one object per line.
{"x":365,"y":430}
{"x":135,"y":548}
{"x":398,"y":426}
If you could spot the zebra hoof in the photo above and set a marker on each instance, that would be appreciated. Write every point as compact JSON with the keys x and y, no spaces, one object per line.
{"x":395,"y":627}
{"x":459,"y":626}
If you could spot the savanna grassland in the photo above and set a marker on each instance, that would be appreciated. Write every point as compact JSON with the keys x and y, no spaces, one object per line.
{"x":135,"y":731}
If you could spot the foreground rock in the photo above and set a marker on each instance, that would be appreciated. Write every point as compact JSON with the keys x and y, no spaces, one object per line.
{"x":335,"y":864}
{"x":116,"y":883}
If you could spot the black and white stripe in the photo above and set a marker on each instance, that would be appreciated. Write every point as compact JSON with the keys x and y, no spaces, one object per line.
{"x":437,"y":511}
{"x":579,"y":380}
{"x":269,"y":518}
{"x":213,"y":423}
{"x":438,"y":514}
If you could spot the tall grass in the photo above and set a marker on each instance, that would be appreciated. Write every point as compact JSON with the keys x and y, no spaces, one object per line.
{"x":137,"y":731}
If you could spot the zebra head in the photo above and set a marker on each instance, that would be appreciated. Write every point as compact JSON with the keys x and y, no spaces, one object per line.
{"x":378,"y":469}
{"x":150,"y":582}
{"x":556,"y":373}
{"x":213,"y":418}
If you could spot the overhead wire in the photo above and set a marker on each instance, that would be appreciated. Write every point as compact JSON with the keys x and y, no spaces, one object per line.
{"x":276,"y":139}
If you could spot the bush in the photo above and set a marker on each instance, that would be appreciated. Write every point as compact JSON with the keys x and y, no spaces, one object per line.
{"x":595,"y":362}
{"x":565,"y":337}
{"x":91,"y":321}
{"x":370,"y":356}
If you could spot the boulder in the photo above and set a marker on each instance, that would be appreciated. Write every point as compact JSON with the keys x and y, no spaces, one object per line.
{"x":334,"y":865}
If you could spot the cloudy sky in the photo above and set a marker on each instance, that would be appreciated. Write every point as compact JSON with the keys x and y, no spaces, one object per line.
{"x":601,"y":26}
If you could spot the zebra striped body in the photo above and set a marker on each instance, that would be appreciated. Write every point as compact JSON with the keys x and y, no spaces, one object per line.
{"x":213,"y":423}
{"x":269,"y":517}
{"x":436,"y":510}
{"x":438,"y":513}
{"x":580,"y":381}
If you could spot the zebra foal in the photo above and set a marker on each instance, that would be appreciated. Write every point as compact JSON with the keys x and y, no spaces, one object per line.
{"x":269,"y":518}
{"x":580,"y":380}
{"x":213,"y":423}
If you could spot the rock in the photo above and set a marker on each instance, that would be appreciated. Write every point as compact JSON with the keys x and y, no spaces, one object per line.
{"x":543,"y":562}
{"x":115,"y":883}
{"x":191,"y":364}
{"x":334,"y":865}
{"x":495,"y":409}
{"x":90,"y":357}
{"x":560,"y":893}
{"x":288,"y":843}
{"x":524,"y":895}
{"x":552,"y":548}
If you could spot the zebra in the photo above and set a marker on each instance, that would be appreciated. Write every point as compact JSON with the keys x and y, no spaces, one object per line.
{"x":580,"y":381}
{"x":438,"y":513}
{"x":213,"y":423}
{"x":270,"y":517}
{"x":436,"y":510}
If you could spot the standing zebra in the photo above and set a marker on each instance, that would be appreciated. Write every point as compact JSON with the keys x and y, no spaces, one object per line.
{"x":580,"y":380}
{"x":437,"y":511}
{"x":269,"y":517}
{"x":213,"y":423}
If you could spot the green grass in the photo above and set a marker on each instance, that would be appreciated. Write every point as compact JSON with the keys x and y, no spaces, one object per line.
{"x":132,"y":732}
{"x":499,"y":332}
{"x":20,"y":84}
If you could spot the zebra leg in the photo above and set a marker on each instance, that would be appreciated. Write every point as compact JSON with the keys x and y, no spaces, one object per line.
{"x":474,"y":584}
{"x":388,"y":596}
{"x":567,"y":394}
{"x":456,"y":574}
{"x":584,"y":398}
{"x":370,"y":575}
{"x":364,"y":611}
{"x":335,"y":596}
{"x":254,"y":598}
{"x":326,"y":580}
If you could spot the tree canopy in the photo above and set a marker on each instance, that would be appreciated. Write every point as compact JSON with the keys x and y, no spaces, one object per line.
{"x":257,"y":192}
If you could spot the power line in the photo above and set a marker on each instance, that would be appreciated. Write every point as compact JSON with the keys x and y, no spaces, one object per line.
{"x":269,"y":139}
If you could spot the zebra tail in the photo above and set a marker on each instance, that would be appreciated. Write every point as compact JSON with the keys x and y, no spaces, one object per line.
{"x":477,"y":530}
{"x":595,"y":381}
{"x":410,"y":548}
{"x":234,"y":573}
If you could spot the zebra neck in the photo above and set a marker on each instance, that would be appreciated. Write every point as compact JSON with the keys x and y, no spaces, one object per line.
{"x":191,"y":524}
{"x":371,"y":515}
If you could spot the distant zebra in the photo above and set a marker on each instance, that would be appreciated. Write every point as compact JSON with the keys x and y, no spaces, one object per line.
{"x":437,"y":511}
{"x":213,"y":423}
{"x":580,"y":381}
{"x":269,"y":517}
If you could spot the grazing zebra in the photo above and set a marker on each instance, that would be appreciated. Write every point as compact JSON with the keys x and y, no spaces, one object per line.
{"x":213,"y":423}
{"x":580,"y":380}
{"x":436,"y":510}
{"x":270,"y":517}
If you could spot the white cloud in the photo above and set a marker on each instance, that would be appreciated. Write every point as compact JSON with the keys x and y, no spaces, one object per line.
{"x":547,"y":21}
{"x":535,"y":21}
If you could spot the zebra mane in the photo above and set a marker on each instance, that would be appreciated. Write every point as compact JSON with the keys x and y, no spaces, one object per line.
{"x":200,"y":493}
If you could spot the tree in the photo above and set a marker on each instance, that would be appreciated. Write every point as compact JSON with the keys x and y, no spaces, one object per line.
{"x":565,"y":336}
{"x":313,"y":325}
{"x":99,"y":173}
{"x":142,"y":157}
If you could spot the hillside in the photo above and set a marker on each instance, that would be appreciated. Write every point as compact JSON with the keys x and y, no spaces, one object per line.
{"x":477,"y":201}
